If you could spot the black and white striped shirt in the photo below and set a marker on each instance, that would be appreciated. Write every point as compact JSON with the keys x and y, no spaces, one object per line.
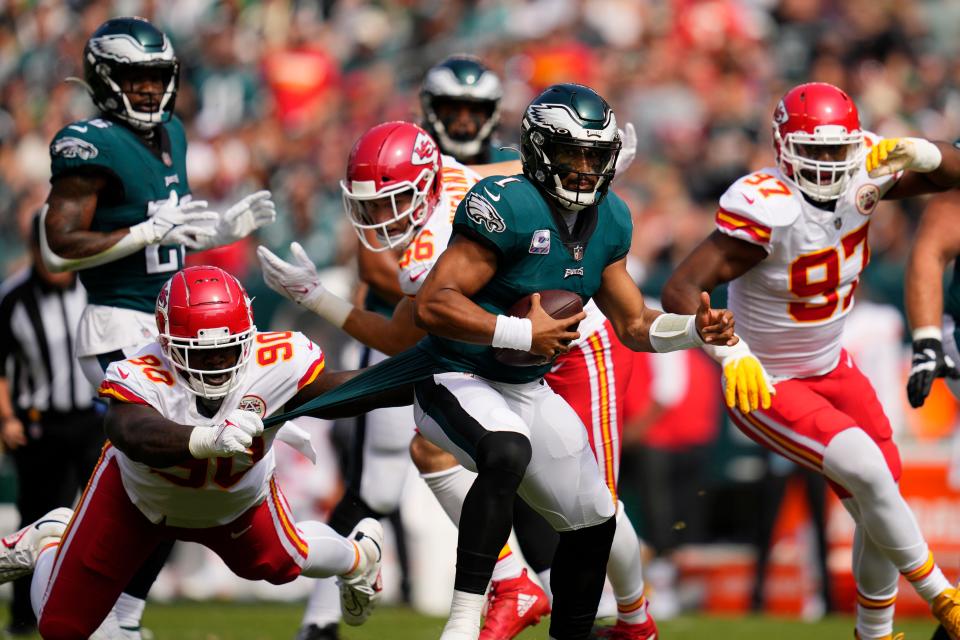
{"x":38,"y":328}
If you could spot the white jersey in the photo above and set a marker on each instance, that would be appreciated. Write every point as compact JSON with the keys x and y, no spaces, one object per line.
{"x":790,"y":308}
{"x":206,"y":493}
{"x":432,"y":240}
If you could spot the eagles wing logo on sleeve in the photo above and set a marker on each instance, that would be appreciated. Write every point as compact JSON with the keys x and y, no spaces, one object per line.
{"x":480,"y":210}
{"x":69,"y":147}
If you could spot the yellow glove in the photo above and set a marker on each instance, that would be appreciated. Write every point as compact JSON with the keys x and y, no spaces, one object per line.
{"x":746,"y":384}
{"x":891,"y":155}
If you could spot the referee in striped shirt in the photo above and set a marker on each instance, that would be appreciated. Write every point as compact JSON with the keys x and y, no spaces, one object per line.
{"x":48,"y":421}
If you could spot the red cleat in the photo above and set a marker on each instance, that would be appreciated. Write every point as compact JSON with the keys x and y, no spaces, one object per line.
{"x":624,"y":631}
{"x":512,"y":606}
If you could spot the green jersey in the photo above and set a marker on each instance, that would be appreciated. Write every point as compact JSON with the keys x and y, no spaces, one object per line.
{"x":139,"y":176}
{"x":535,"y":251}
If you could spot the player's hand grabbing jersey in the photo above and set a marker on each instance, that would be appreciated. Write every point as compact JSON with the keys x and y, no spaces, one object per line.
{"x":139,"y":178}
{"x":790,"y":307}
{"x":210,"y":492}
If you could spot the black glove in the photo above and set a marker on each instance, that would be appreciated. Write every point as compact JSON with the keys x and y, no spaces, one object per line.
{"x":929,"y":363}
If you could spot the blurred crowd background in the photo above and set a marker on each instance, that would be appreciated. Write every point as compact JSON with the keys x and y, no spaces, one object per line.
{"x":274,"y":93}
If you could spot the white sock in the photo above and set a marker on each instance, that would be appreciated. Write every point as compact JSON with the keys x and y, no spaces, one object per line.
{"x":544,"y":577}
{"x":323,"y":607}
{"x":507,"y":567}
{"x":625,"y":571}
{"x":129,"y":610}
{"x":464,"y":621}
{"x":853,"y":460}
{"x":41,"y":579}
{"x":329,"y":554}
{"x":450,"y":486}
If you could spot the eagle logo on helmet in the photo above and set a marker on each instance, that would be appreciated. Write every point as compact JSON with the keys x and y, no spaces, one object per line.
{"x":780,"y":115}
{"x":559,"y":118}
{"x":424,"y":150}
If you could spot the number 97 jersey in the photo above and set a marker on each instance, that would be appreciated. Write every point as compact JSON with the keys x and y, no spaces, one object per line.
{"x":210,"y":492}
{"x":791,"y":306}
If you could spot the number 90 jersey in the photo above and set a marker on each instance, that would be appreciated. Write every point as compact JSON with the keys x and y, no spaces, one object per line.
{"x":207,"y":493}
{"x":422,"y":253}
{"x":790,"y":307}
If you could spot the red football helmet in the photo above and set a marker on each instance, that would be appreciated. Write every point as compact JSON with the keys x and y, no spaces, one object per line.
{"x":200,"y":309}
{"x":393,"y":183}
{"x":818,"y":140}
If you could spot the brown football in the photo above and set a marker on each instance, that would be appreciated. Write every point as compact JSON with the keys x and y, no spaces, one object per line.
{"x":558,"y":303}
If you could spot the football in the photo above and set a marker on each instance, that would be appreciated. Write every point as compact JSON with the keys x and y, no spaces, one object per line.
{"x":558,"y":303}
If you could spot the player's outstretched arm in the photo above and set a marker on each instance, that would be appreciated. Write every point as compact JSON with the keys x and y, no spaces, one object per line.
{"x":443,"y":306}
{"x":143,"y":434}
{"x":937,"y":242}
{"x":929,"y":166}
{"x":68,"y":244}
{"x":716,"y":260}
{"x":379,"y":270}
{"x":643,"y":329}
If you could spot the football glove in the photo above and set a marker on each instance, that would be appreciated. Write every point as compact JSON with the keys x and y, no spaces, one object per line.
{"x":232,"y":436}
{"x":746,"y":384}
{"x":242,"y":219}
{"x":890,"y":155}
{"x":929,"y":363}
{"x":299,"y":282}
{"x":174,"y":222}
{"x":628,"y":150}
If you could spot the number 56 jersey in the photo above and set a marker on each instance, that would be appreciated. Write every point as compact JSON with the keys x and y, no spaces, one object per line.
{"x":210,"y":492}
{"x":790,"y":307}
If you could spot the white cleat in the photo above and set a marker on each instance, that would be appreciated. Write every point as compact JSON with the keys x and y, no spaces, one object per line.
{"x":19,"y":551}
{"x":360,"y":589}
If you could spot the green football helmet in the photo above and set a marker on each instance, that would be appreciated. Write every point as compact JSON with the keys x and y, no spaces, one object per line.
{"x":124,"y":49}
{"x":460,"y":80}
{"x":569,"y":145}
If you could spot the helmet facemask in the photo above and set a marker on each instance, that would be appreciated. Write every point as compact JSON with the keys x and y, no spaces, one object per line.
{"x":394,"y":214}
{"x":577,"y":173}
{"x":194,"y":358}
{"x":442,"y":113}
{"x":820,"y":164}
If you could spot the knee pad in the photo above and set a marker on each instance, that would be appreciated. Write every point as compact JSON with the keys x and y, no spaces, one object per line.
{"x":853,"y":460}
{"x":504,"y":452}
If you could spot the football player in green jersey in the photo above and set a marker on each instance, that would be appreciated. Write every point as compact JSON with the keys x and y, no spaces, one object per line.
{"x":553,"y":227}
{"x":120,"y":210}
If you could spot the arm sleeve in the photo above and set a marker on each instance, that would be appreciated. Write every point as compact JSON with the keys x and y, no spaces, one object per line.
{"x":485,"y":215}
{"x":742,"y":215}
{"x":79,"y":148}
{"x":624,"y":227}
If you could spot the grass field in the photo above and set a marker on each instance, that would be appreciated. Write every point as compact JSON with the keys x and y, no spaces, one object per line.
{"x":279,"y":622}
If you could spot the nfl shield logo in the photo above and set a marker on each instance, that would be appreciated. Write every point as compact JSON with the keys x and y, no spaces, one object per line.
{"x":540,"y":242}
{"x":578,"y":252}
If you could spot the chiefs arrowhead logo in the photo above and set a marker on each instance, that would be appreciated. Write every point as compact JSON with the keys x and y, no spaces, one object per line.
{"x":424,"y":150}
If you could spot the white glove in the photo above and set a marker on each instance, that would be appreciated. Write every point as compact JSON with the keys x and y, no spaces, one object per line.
{"x":243,"y":218}
{"x":628,"y":149}
{"x":173,"y":222}
{"x":232,"y":436}
{"x":300,"y":283}
{"x":891,"y":155}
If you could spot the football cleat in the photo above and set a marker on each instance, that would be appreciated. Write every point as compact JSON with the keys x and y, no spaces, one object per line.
{"x":625,"y":631}
{"x":19,"y":551}
{"x":512,"y":606}
{"x":360,"y":589}
{"x":946,"y":609}
{"x":893,"y":636}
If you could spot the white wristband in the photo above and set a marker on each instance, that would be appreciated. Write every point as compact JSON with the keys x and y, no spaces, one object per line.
{"x":927,"y":156}
{"x":672,"y":332}
{"x":927,"y":333}
{"x":328,"y":306}
{"x":200,"y":442}
{"x":513,"y":333}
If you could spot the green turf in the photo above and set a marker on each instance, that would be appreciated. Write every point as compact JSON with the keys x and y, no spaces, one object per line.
{"x":241,"y":621}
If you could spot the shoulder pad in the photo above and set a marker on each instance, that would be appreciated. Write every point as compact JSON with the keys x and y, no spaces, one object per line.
{"x":756,"y":204}
{"x":620,"y":210}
